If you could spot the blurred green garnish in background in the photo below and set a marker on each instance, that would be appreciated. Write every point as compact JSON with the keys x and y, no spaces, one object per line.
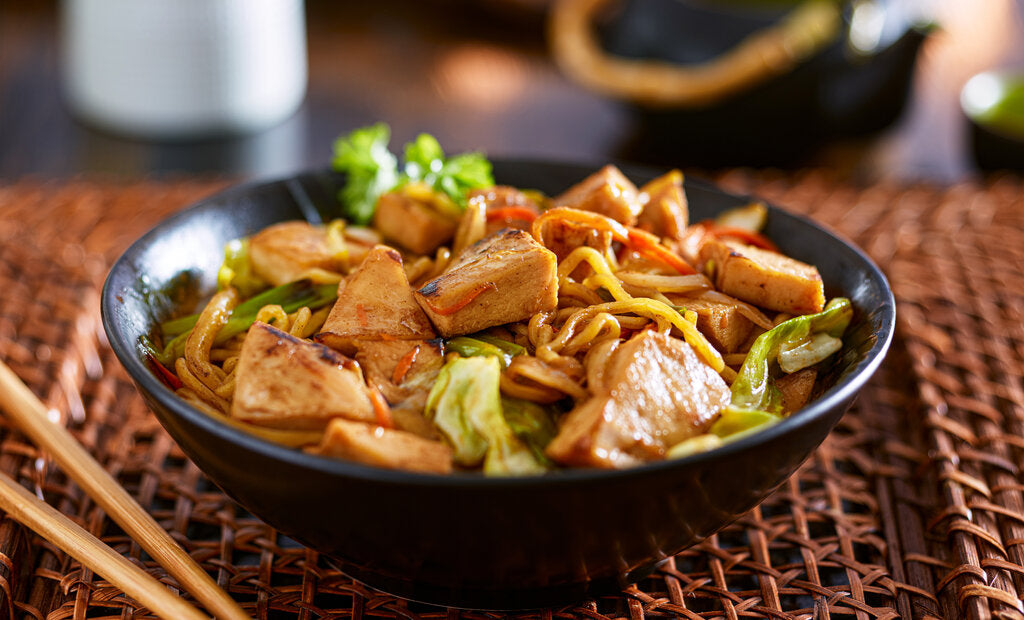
{"x":996,"y":101}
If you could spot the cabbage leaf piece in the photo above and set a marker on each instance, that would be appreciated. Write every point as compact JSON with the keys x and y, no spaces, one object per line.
{"x":465,"y":406}
{"x":754,"y":387}
{"x":236,"y":270}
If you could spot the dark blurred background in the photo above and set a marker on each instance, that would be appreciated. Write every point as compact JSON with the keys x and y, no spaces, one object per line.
{"x":480,"y":75}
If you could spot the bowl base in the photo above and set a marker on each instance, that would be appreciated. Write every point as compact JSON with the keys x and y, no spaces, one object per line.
{"x":503,"y":598}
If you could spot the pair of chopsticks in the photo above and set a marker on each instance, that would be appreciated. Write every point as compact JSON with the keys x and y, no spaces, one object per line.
{"x":30,"y":416}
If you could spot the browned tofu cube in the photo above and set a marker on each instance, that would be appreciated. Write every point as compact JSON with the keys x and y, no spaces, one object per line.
{"x":500,"y":279}
{"x":665,"y":211}
{"x":382,"y":447}
{"x":607,"y":192}
{"x":375,"y":302}
{"x":764,"y":278}
{"x":796,"y":388}
{"x":286,"y":382}
{"x":722,"y":323}
{"x":501,"y":197}
{"x":285,"y":252}
{"x":404,"y":371}
{"x":654,"y":392}
{"x":410,"y":223}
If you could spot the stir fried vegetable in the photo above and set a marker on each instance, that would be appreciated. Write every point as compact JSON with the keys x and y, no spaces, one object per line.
{"x":507,"y":333}
{"x":237,"y":270}
{"x":369,"y":167}
{"x":812,"y":335}
{"x":465,"y":405}
{"x":371,"y":170}
{"x":485,"y":345}
{"x":290,"y":297}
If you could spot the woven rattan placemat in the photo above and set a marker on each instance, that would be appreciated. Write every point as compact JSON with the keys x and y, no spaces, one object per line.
{"x":913,"y":507}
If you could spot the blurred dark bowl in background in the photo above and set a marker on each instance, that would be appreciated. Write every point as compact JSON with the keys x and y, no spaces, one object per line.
{"x":854,"y":85}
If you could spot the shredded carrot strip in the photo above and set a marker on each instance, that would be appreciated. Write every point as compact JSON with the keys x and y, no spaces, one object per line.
{"x":465,"y":301}
{"x":639,"y":240}
{"x":404,"y":364}
{"x":649,"y":245}
{"x":380,"y":407}
{"x":169,"y":378}
{"x":511,"y":213}
{"x":582,"y":218}
{"x":750,"y":237}
{"x":361,"y":315}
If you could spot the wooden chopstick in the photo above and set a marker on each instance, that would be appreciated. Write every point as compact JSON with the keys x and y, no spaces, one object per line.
{"x":30,"y":416}
{"x":49,"y":523}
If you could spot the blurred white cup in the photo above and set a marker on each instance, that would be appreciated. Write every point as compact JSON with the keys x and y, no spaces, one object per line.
{"x":184,"y":68}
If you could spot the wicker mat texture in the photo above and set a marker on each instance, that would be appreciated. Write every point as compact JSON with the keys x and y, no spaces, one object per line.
{"x":913,"y":507}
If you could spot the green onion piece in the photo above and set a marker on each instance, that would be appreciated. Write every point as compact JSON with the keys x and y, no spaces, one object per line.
{"x":474,"y":347}
{"x":290,"y":297}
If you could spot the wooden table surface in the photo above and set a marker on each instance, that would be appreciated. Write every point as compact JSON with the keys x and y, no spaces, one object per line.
{"x":476,"y":74}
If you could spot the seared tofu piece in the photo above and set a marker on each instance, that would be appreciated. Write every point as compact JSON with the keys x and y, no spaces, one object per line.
{"x":501,"y":197}
{"x":375,"y":302}
{"x":723,"y":324}
{"x":286,"y":382}
{"x":500,"y":279}
{"x":563,"y":236}
{"x":764,"y":278}
{"x":607,"y":192}
{"x":412,"y":224}
{"x":383,"y":447}
{"x":404,"y":371}
{"x":665,"y":211}
{"x":284,"y":252}
{"x":654,"y":393}
{"x":796,"y":388}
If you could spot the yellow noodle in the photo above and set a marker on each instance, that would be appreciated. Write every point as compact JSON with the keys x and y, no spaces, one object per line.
{"x":539,"y":330}
{"x":602,"y":322}
{"x":230,"y":364}
{"x":632,"y":322}
{"x":535,"y":370}
{"x":734,"y":359}
{"x":728,"y":374}
{"x":220,"y":354}
{"x":336,"y":243}
{"x":535,"y":393}
{"x":472,"y":226}
{"x":201,"y":391}
{"x":320,"y":276}
{"x":415,"y":269}
{"x":577,"y":291}
{"x":273,"y":314}
{"x":753,"y":314}
{"x":610,"y":283}
{"x":650,"y":293}
{"x":200,"y":339}
{"x":290,"y":438}
{"x":665,"y":284}
{"x":226,"y":390}
{"x":652,"y":309}
{"x":298,"y":320}
{"x":596,"y":361}
{"x":316,"y":321}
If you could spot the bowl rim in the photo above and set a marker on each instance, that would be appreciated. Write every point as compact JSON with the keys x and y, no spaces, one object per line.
{"x":127,"y":353}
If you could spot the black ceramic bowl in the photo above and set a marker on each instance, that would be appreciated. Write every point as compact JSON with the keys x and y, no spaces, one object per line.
{"x":847,"y":89}
{"x":466,"y":540}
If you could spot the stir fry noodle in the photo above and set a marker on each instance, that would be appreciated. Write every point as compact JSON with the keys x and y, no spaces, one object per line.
{"x":475,"y":326}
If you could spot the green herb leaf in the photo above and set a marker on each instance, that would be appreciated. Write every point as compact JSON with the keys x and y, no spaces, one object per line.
{"x":371,"y":169}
